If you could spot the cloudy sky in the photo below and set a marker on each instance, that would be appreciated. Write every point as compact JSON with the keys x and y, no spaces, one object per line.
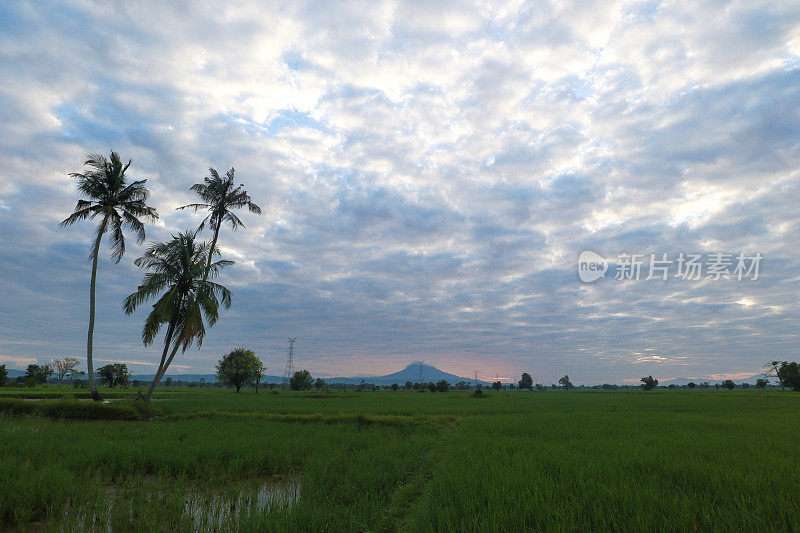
{"x":429,"y":173}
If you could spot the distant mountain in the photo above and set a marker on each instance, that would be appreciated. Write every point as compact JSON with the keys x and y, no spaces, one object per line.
{"x":12,"y":373}
{"x":683,"y":381}
{"x":409,"y":373}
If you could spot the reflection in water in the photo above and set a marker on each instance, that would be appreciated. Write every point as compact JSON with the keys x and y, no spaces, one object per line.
{"x":207,"y":510}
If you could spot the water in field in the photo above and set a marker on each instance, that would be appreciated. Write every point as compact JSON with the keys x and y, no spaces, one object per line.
{"x":207,"y":511}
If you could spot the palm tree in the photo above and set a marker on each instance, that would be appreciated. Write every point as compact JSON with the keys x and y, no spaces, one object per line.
{"x":119,"y":204}
{"x":178,"y":270}
{"x":219,"y":196}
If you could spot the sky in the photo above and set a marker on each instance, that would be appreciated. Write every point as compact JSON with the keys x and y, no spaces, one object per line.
{"x":429,"y":173}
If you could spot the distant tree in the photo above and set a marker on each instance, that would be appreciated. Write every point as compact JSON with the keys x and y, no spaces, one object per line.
{"x":648,"y":383}
{"x":771,"y":371}
{"x":114,"y":374}
{"x":607,"y":386}
{"x":691,"y":385}
{"x":119,"y":204}
{"x":540,"y":386}
{"x":565,"y":383}
{"x":238,"y":368}
{"x":789,"y":375}
{"x":728,"y":384}
{"x":442,"y":386}
{"x":671,"y":386}
{"x":64,"y":367}
{"x":761,"y":383}
{"x":497,"y":385}
{"x":431,"y":386}
{"x":395,"y":386}
{"x":511,"y":386}
{"x":168,"y":381}
{"x":320,"y":384}
{"x":526,"y":382}
{"x":3,"y":375}
{"x":417,"y":386}
{"x":745,"y":385}
{"x":408,"y":385}
{"x":302,"y":380}
{"x":258,"y":373}
{"x":704,"y":385}
{"x":37,"y":374}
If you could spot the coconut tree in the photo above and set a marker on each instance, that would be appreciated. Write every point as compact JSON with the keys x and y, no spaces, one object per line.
{"x":178,"y":272}
{"x":220,"y":196}
{"x":119,"y":205}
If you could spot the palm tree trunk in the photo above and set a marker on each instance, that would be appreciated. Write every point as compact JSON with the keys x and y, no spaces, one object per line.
{"x":211,"y":252}
{"x":89,"y":361}
{"x":167,"y":340}
{"x":161,"y":372}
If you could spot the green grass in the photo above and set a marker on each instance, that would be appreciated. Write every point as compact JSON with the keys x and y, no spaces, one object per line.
{"x":383,"y":461}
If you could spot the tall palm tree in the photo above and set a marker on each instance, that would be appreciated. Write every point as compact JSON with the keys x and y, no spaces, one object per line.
{"x":219,"y":196}
{"x":178,"y":270}
{"x":120,"y":205}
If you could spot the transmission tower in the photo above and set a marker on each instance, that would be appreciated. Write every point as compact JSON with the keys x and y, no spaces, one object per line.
{"x":421,"y":380}
{"x":476,"y":379}
{"x":289,"y":372}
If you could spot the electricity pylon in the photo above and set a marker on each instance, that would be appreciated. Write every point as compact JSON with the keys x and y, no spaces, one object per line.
{"x":289,"y":372}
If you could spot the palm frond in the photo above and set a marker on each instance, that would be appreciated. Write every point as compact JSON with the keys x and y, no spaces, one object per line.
{"x":98,"y":234}
{"x":134,"y":224}
{"x":195,"y":207}
{"x":82,"y":210}
{"x":234,"y":220}
{"x":117,"y":237}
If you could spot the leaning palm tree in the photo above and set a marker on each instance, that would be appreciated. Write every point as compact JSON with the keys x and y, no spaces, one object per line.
{"x":219,"y":196}
{"x":178,"y":270}
{"x":119,"y":205}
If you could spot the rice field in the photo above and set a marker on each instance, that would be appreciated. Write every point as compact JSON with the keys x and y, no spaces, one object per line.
{"x":214,"y":460}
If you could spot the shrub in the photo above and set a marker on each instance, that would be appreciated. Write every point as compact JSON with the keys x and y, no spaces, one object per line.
{"x":70,"y":409}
